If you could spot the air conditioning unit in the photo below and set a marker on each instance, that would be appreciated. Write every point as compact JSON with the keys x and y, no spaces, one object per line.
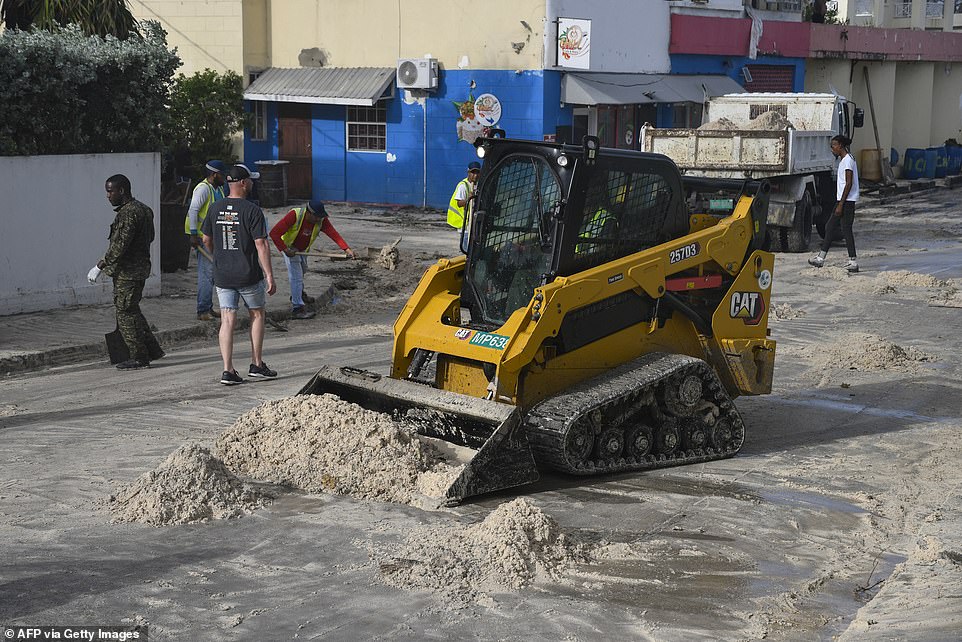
{"x":417,"y":73}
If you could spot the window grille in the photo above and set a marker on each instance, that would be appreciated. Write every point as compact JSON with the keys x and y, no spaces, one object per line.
{"x":624,"y":213}
{"x":754,"y":111}
{"x":367,"y":128}
{"x":934,"y":9}
{"x":259,"y":112}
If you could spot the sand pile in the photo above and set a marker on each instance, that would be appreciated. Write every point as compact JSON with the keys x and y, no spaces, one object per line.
{"x":830,"y":272}
{"x":722,"y":124}
{"x":320,"y":443}
{"x":949,"y":298}
{"x":769,"y":120}
{"x":191,"y":485}
{"x":860,"y":351}
{"x":512,"y":547}
{"x":905,"y":278}
{"x":784,"y":312}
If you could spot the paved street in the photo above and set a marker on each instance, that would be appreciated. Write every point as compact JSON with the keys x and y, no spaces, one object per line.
{"x":848,"y":476}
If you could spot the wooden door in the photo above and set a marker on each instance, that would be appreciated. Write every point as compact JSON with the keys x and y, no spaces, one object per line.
{"x":294,"y":143}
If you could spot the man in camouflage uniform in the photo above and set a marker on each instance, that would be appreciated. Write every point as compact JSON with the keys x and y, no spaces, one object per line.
{"x":128,"y":261}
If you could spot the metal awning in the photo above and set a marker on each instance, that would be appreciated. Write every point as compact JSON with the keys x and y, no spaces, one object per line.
{"x":632,"y":89}
{"x":323,"y":85}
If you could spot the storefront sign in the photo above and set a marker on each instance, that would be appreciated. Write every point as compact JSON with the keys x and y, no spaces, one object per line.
{"x":487,"y":109}
{"x":574,"y":46}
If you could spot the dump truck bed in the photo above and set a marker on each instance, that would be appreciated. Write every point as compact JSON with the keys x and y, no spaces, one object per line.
{"x":742,"y":153}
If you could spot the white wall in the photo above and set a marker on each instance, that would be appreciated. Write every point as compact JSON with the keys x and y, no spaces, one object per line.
{"x":627,"y":36}
{"x":55,"y":219}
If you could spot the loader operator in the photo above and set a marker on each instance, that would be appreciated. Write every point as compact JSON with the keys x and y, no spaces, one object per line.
{"x":294,"y":235}
{"x":458,"y":210}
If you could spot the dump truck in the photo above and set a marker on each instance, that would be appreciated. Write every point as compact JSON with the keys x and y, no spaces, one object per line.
{"x":780,"y":137}
{"x":592,"y":326}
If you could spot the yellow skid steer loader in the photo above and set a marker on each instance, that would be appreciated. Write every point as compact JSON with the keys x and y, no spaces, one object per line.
{"x":603,"y":319}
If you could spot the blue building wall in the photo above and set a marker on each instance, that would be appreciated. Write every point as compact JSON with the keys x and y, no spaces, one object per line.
{"x":255,"y":150}
{"x":424,"y":159}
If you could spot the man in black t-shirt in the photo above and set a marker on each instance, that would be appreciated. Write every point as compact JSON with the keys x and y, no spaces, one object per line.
{"x":235,"y":233}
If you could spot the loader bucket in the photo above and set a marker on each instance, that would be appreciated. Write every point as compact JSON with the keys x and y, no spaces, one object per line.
{"x":486,"y":437}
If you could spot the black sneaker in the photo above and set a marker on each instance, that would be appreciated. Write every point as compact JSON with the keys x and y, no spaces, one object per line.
{"x":261,"y":371}
{"x":302,"y":313}
{"x":230,"y":378}
{"x":132,"y":364}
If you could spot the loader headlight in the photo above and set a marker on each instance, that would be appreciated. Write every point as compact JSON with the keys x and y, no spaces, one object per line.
{"x":562,"y":161}
{"x":481,"y":151}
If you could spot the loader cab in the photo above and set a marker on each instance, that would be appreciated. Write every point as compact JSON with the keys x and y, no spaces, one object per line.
{"x":519,"y":195}
{"x":545,"y":210}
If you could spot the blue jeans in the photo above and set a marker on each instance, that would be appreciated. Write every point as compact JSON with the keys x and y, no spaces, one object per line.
{"x":296,"y":266}
{"x":253,"y":296}
{"x":205,"y":283}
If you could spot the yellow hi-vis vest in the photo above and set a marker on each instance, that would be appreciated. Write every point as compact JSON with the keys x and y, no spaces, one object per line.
{"x":455,"y":212}
{"x":592,"y":230}
{"x":291,"y":234}
{"x":213,"y":194}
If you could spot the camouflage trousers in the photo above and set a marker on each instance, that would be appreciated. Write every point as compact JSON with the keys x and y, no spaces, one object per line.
{"x":133,"y":326}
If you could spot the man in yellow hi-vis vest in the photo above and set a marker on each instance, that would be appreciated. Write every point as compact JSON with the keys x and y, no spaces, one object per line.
{"x":293,"y":235}
{"x":458,"y":209}
{"x":208,"y":191}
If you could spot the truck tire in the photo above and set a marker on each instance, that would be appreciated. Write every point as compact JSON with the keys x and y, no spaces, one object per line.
{"x":776,"y":238}
{"x":799,"y":236}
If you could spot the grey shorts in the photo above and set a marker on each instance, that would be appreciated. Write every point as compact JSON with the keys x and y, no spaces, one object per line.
{"x":254,"y":296}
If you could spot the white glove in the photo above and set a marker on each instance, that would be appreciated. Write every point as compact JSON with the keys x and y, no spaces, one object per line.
{"x":93,"y":274}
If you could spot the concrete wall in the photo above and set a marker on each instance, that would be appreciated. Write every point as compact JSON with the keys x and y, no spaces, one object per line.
{"x":882,"y":77}
{"x":946,"y":102}
{"x":629,"y":36}
{"x":375,"y":33}
{"x":56,"y":220}
{"x":912,"y":126}
{"x":825,"y":75}
{"x":208,"y":34}
{"x":257,"y":35}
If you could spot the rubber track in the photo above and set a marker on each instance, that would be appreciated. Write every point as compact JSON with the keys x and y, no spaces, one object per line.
{"x":548,"y":422}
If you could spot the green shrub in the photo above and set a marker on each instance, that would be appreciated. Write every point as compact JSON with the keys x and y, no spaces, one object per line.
{"x":206,"y":109}
{"x":63,"y":92}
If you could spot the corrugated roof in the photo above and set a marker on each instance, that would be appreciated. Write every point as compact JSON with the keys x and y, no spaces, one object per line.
{"x":323,"y":85}
{"x":632,"y":89}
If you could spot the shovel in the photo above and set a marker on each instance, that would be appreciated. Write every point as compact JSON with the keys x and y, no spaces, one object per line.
{"x":118,"y":352}
{"x":887,"y":176}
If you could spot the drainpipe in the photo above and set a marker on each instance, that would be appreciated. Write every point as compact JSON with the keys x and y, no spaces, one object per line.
{"x":424,"y":152}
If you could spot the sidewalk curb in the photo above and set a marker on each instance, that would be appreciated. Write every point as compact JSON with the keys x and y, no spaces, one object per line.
{"x":31,"y":361}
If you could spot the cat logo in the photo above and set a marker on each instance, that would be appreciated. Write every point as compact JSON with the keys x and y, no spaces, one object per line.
{"x":747,"y":306}
{"x":463,"y":333}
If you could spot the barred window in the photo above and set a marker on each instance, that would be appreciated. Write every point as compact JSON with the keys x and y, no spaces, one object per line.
{"x":258,"y":112}
{"x":259,"y":127}
{"x":367,"y":128}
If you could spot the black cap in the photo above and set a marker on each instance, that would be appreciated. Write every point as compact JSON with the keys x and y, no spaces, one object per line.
{"x":474,"y":166}
{"x":239,"y":172}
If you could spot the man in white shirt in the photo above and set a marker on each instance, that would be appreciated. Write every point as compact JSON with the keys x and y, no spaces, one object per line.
{"x":846,"y":191}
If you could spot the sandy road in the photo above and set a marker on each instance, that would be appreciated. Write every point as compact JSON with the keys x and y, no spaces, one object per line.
{"x":848,"y":477}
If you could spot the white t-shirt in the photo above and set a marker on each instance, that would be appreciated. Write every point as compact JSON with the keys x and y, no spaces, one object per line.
{"x":463,"y":191}
{"x":846,"y":163}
